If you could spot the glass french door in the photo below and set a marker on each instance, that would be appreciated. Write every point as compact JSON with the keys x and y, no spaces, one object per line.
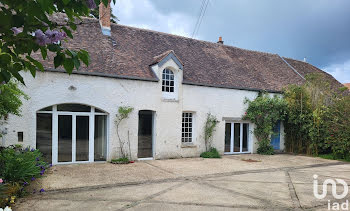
{"x":236,"y":138}
{"x":73,"y":138}
{"x":69,"y":133}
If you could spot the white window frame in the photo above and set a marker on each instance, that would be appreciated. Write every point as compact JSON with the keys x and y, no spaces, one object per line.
{"x":249,"y":137}
{"x":183,"y":127}
{"x":91,"y":115}
{"x":169,"y":95}
{"x":168,"y":72}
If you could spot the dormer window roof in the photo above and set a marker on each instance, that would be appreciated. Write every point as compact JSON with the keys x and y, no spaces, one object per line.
{"x":164,"y":57}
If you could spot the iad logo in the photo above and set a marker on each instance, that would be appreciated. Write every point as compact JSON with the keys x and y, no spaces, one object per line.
{"x":335,"y":205}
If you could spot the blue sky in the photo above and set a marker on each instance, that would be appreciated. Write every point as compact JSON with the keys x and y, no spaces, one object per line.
{"x":316,"y":29}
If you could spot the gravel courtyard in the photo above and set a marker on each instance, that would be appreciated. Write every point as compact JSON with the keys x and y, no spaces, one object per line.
{"x":237,"y":182}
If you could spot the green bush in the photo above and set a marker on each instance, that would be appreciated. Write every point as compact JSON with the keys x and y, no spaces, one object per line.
{"x":212,"y":153}
{"x":318,"y":120}
{"x":337,"y":129}
{"x":123,"y":160}
{"x":18,"y":165}
{"x":265,"y":148}
{"x":2,"y":192}
{"x":3,"y":195}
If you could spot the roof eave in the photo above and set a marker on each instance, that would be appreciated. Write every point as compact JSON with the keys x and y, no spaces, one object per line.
{"x":232,"y":87}
{"x":105,"y":75}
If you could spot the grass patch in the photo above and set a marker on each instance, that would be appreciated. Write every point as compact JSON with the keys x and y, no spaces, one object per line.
{"x":332,"y":157}
{"x":212,"y":153}
{"x":120,"y":161}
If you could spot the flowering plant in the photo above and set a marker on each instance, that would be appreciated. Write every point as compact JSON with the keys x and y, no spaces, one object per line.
{"x":6,"y":209}
{"x":265,"y":111}
{"x":27,"y":27}
{"x":18,"y":167}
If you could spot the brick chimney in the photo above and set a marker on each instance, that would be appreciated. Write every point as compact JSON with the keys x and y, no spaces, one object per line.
{"x":220,"y":40}
{"x":105,"y":18}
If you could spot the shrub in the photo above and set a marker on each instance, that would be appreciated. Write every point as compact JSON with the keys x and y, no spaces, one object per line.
{"x":299,"y":120}
{"x":337,"y":129}
{"x":3,"y":195}
{"x":212,"y":153}
{"x":18,"y":168}
{"x":265,"y":148}
{"x":123,"y":160}
{"x":17,"y":165}
{"x":318,"y":120}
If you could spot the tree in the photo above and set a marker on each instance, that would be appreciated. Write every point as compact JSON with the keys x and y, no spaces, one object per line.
{"x":10,"y":101}
{"x":26,"y":28}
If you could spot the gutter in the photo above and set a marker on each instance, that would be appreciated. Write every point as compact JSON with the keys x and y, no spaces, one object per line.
{"x":232,"y":87}
{"x":105,"y":75}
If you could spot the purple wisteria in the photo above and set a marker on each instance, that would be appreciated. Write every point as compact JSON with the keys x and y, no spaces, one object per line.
{"x":16,"y":30}
{"x":49,"y":37}
{"x":91,"y":4}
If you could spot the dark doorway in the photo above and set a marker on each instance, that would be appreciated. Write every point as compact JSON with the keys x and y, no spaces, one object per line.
{"x":145,"y":134}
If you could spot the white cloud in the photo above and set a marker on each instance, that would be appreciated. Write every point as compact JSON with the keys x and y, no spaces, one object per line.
{"x":143,"y":14}
{"x":340,"y":71}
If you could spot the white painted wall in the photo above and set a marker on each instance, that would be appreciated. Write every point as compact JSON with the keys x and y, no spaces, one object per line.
{"x":108,"y":94}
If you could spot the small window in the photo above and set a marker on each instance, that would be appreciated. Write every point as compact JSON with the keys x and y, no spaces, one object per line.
{"x":73,"y":108}
{"x":168,"y":81}
{"x":98,"y":110}
{"x":20,"y":136}
{"x":187,"y":123}
{"x":47,"y":109}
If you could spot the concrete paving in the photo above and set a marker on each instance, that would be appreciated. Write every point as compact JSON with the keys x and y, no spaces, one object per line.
{"x":278,"y":182}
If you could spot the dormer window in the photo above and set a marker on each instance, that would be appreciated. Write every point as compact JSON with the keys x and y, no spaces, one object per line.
{"x":168,"y":68}
{"x":168,"y":81}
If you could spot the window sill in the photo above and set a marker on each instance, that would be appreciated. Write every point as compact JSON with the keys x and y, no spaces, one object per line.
{"x":188,"y":145}
{"x":169,"y":100}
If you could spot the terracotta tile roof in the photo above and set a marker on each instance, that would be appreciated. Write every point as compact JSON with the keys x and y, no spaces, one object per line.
{"x":130,"y":51}
{"x":305,"y":68}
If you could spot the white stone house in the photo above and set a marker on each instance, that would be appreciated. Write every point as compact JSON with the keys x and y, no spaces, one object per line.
{"x":171,"y":82}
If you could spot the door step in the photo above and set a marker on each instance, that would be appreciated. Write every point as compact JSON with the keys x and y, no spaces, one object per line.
{"x":141,"y":159}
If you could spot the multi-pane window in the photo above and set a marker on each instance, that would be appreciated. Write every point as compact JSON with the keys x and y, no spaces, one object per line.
{"x":187,"y":123}
{"x":168,"y":81}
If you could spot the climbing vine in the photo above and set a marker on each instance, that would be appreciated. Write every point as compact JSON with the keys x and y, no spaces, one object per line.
{"x":209,"y":129}
{"x":265,"y":111}
{"x":123,"y":113}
